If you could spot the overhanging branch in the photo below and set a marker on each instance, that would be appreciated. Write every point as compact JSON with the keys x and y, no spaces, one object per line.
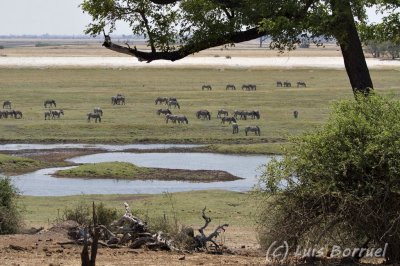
{"x":185,"y":50}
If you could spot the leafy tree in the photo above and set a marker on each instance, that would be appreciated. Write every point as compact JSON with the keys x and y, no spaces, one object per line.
{"x":339,"y":185}
{"x":178,"y":28}
{"x":10,"y":218}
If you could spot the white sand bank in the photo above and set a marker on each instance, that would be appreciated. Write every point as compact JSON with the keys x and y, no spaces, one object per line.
{"x":235,"y":62}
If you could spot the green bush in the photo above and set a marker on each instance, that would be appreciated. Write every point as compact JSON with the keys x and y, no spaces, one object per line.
{"x":10,"y":218}
{"x":82,"y":214}
{"x":339,"y":185}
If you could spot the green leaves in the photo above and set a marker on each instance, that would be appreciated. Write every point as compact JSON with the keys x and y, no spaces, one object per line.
{"x":350,"y":169}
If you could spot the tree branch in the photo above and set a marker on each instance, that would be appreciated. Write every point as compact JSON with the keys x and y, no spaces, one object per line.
{"x":187,"y":49}
{"x":164,"y":2}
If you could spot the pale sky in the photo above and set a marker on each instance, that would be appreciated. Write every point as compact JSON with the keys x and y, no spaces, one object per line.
{"x":55,"y":17}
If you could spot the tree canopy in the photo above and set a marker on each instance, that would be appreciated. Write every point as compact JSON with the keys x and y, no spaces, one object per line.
{"x":177,"y":28}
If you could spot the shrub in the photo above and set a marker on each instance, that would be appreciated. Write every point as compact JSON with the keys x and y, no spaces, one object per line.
{"x":340,"y":184}
{"x":82,"y":214}
{"x":10,"y":218}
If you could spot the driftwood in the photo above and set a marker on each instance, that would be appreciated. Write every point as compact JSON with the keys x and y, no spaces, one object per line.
{"x":202,"y":239}
{"x":133,"y":232}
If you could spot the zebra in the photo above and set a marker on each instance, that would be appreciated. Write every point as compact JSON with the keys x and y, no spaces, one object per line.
{"x":295,"y":114}
{"x":254,"y":129}
{"x":235,"y":128}
{"x":98,"y":110}
{"x":228,"y":119}
{"x":279,"y":84}
{"x":203,"y":114}
{"x":287,"y":84}
{"x":301,"y":84}
{"x":170,"y":117}
{"x":174,"y":103}
{"x":50,"y":102}
{"x":249,"y":87}
{"x":17,"y":114}
{"x":95,"y":116}
{"x":206,"y":87}
{"x":241,"y":114}
{"x":119,"y":99}
{"x":161,"y":100}
{"x":182,"y":119}
{"x":254,"y":114}
{"x":56,"y":113}
{"x":163,"y":111}
{"x":230,"y":87}
{"x":7,"y":104}
{"x":222,"y":112}
{"x":47,"y":114}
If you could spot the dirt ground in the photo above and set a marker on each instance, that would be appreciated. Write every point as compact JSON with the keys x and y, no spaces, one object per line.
{"x":46,"y":248}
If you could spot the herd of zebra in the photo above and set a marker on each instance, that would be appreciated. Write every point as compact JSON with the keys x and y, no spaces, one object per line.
{"x":55,"y":113}
{"x":7,"y":112}
{"x":205,"y":114}
{"x":253,"y":87}
{"x":289,"y":84}
{"x":245,"y":87}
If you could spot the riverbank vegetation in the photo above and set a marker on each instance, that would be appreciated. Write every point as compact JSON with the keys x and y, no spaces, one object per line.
{"x":128,"y":171}
{"x":341,"y":180}
{"x":78,"y":91}
{"x":10,"y":212}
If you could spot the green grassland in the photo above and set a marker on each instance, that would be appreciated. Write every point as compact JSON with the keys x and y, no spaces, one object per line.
{"x":237,"y":209}
{"x":78,"y":91}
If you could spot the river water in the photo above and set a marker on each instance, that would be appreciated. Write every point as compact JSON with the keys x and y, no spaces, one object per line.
{"x":42,"y":183}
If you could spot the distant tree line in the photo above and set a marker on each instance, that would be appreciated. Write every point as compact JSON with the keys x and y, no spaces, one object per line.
{"x":379,"y":49}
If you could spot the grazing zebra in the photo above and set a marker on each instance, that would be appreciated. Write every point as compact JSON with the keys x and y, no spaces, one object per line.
{"x":161,"y":100}
{"x":17,"y":114}
{"x":279,"y":84}
{"x":206,"y":87}
{"x":230,"y":87}
{"x":287,"y":84}
{"x":241,"y":114}
{"x":249,"y":87}
{"x":254,"y":114}
{"x":119,"y":99}
{"x":163,"y":111}
{"x":170,"y":117}
{"x":182,"y":119}
{"x":98,"y":110}
{"x":203,"y":114}
{"x":222,"y":112}
{"x":50,"y":102}
{"x":47,"y":114}
{"x":254,"y":129}
{"x":95,"y":116}
{"x":235,"y":128}
{"x":295,"y":114}
{"x":6,"y":113}
{"x":173,"y":102}
{"x":228,"y":119}
{"x":7,"y":104}
{"x":301,"y":84}
{"x":56,"y":113}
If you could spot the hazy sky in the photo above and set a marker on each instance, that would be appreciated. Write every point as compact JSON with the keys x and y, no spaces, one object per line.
{"x":58,"y":17}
